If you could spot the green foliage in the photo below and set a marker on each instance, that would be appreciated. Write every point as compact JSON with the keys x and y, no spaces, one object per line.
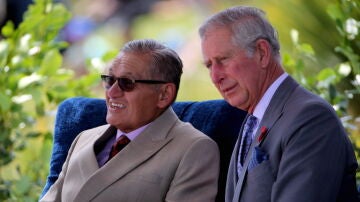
{"x":340,"y":84}
{"x":346,"y":14}
{"x":33,"y":82}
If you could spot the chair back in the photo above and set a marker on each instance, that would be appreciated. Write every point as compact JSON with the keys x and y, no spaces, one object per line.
{"x":215,"y":118}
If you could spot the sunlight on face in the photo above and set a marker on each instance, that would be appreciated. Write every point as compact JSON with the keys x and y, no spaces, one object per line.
{"x":130,"y":110}
{"x":233,"y":72}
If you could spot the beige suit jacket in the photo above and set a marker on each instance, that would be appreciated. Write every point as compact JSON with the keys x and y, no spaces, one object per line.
{"x":169,"y":161}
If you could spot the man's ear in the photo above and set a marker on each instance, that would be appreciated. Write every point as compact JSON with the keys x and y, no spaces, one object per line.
{"x":263,"y":51}
{"x":167,"y":95}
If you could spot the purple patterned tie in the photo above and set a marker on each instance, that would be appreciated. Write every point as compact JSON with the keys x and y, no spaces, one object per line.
{"x":246,"y":139}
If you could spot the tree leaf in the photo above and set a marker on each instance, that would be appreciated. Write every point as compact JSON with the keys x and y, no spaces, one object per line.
{"x":8,"y":29}
{"x":51,"y":63}
{"x":5,"y":102}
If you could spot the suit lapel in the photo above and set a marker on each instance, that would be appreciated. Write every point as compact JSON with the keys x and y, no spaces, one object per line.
{"x":103,"y":139}
{"x":276,"y":106}
{"x":236,"y":151}
{"x":85,"y":155}
{"x":143,"y":147}
{"x":272,"y":114}
{"x":232,"y":177}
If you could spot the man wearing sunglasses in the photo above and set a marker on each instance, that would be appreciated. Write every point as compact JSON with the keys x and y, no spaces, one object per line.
{"x":160,"y":157}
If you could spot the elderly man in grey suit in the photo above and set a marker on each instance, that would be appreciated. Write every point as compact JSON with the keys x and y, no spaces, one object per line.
{"x":145,"y":153}
{"x":292,"y":146}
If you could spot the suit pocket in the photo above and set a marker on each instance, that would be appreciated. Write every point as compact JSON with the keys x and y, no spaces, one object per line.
{"x":257,"y":157}
{"x":259,"y":180}
{"x":261,"y":170}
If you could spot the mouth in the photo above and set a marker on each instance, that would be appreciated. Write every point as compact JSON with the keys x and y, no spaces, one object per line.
{"x":227,"y":90}
{"x":116,"y":106}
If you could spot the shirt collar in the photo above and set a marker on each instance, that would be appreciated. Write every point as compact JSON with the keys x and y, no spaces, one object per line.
{"x":260,"y":108}
{"x":133,"y":134}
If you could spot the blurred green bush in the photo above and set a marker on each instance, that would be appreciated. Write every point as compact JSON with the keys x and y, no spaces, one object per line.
{"x":33,"y":82}
{"x":339,"y":84}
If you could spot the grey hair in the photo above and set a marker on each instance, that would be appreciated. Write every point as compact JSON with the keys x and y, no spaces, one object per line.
{"x":165,"y":64}
{"x":247,"y":24}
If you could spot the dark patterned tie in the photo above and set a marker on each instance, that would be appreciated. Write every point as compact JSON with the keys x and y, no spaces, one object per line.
{"x":246,"y":139}
{"x":118,"y":145}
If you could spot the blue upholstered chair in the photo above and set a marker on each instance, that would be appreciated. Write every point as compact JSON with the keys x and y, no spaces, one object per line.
{"x":215,"y":118}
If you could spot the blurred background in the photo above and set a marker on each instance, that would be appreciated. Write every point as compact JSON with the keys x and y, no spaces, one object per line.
{"x":53,"y":50}
{"x":100,"y":26}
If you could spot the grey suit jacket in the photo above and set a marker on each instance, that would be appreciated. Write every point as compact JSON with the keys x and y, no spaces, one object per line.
{"x":301,"y":153}
{"x":169,"y":161}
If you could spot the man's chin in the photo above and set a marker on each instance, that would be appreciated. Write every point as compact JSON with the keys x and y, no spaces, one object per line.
{"x":235,"y":103}
{"x":230,"y":101}
{"x":112,"y":120}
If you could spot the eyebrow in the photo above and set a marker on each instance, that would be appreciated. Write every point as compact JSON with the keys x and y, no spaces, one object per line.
{"x":110,"y":69}
{"x":206,"y":63}
{"x":130,"y":75}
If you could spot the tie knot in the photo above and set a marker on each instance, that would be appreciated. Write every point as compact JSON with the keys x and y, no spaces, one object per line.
{"x":118,"y":145}
{"x":123,"y":140}
{"x":251,"y":121}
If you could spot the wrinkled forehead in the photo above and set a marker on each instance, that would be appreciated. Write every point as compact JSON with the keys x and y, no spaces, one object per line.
{"x":136,"y":63}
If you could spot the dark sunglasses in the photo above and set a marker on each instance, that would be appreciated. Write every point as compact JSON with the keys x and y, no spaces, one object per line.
{"x":124,"y":83}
